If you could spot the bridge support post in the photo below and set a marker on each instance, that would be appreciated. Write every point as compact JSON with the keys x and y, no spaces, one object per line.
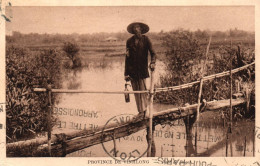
{"x":189,"y":123}
{"x":151,"y":145}
{"x":49,"y":121}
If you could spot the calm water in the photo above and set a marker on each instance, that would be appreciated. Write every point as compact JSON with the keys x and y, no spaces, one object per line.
{"x":87,"y":111}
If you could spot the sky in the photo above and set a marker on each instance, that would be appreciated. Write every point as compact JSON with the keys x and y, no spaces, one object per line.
{"x":81,"y":20}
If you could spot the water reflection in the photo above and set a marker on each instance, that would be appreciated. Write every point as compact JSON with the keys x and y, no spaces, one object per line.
{"x":93,"y":110}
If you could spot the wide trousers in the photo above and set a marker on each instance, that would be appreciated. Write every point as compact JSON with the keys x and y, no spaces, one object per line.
{"x":140,"y":98}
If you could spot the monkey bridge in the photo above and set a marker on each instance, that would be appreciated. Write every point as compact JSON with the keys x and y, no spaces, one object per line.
{"x":65,"y":143}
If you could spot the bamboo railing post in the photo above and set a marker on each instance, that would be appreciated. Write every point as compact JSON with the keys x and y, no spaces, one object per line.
{"x":162,"y":151}
{"x":200,"y":93}
{"x":231,"y":91}
{"x":254,"y":142}
{"x":150,"y":133}
{"x":227,"y":145}
{"x":247,"y":101}
{"x":49,"y":122}
{"x":201,"y":80}
{"x":114,"y":141}
{"x":245,"y":147}
{"x":196,"y":140}
{"x":199,"y":98}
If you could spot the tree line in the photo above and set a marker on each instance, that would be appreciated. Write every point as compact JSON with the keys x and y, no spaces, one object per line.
{"x":36,"y":38}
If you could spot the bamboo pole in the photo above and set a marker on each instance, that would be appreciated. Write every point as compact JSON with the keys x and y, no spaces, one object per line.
{"x":187,"y":133}
{"x":231,"y":91}
{"x":196,"y":142}
{"x":88,"y":91}
{"x":49,"y":122}
{"x":114,"y":141}
{"x":208,"y":141}
{"x":172,"y":149}
{"x":200,"y":92}
{"x":199,"y":98}
{"x":206,"y":78}
{"x":245,"y":147}
{"x":150,"y":133}
{"x":248,"y":101}
{"x":254,"y":142}
{"x":201,"y":80}
{"x":162,"y":151}
{"x":227,"y":144}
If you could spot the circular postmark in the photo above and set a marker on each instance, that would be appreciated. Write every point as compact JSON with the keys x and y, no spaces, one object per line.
{"x":117,"y":141}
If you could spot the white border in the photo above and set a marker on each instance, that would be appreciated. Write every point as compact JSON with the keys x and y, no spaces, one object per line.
{"x":83,"y":160}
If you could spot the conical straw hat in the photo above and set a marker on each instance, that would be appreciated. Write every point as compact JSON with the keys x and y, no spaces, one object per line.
{"x":144,"y":27}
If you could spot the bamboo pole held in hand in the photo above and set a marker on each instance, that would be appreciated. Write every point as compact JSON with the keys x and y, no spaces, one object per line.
{"x":150,"y":133}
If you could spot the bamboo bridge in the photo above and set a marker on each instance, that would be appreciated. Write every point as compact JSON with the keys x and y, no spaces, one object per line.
{"x":57,"y":145}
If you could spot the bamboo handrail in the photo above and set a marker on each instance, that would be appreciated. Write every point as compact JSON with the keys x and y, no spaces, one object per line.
{"x":206,"y":78}
{"x":173,"y":88}
{"x":88,"y":91}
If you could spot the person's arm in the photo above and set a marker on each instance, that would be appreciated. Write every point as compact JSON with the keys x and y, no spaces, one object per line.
{"x":126,"y":73}
{"x":152,"y":53}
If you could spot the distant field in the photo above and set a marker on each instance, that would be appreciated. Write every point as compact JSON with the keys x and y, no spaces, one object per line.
{"x":117,"y":49}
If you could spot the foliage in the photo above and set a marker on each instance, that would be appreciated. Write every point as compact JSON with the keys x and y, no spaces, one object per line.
{"x":183,"y":53}
{"x":185,"y":58}
{"x":26,"y":110}
{"x":71,"y":50}
{"x":35,"y":38}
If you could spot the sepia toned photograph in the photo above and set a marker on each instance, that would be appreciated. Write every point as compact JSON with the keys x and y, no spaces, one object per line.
{"x":130,"y":82}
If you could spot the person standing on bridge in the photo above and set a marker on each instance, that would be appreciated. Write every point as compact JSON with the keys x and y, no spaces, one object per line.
{"x":136,"y":62}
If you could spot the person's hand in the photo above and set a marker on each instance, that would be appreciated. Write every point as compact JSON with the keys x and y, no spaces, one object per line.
{"x":152,"y":66}
{"x":127,"y":53}
{"x":127,"y":78}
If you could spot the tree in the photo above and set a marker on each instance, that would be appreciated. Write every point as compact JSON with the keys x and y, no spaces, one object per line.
{"x":183,"y":54}
{"x":183,"y":64}
{"x":71,"y":50}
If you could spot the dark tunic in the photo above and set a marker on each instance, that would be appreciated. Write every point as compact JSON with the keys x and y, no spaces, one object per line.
{"x":136,"y":62}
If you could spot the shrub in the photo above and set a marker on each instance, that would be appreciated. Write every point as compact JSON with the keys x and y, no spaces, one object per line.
{"x":184,"y":56}
{"x":26,"y":110}
{"x":185,"y":59}
{"x":71,"y":50}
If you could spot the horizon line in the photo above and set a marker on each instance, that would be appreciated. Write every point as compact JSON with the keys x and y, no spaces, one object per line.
{"x":124,"y":31}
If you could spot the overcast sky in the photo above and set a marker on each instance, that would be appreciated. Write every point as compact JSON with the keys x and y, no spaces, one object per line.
{"x":115,"y":19}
